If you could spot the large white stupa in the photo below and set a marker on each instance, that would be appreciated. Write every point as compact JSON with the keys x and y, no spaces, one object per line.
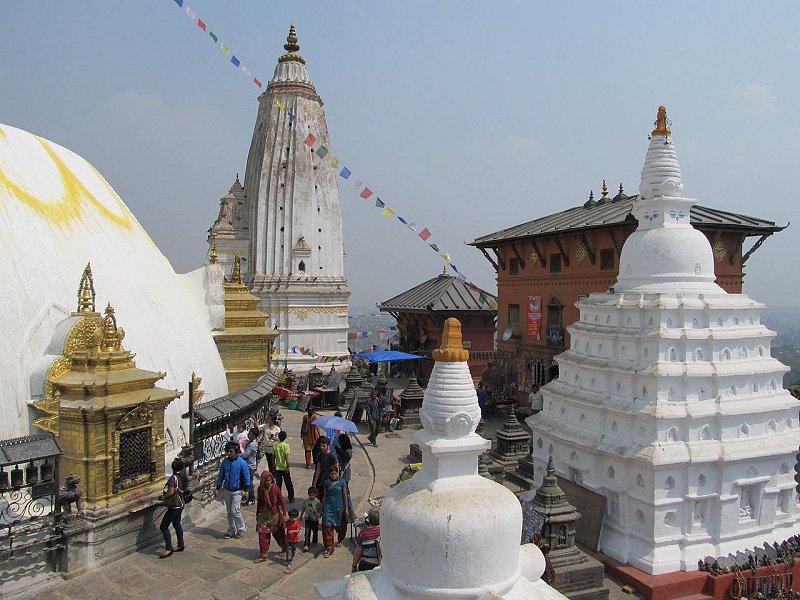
{"x":57,"y":213}
{"x":668,"y":402}
{"x":448,"y":532}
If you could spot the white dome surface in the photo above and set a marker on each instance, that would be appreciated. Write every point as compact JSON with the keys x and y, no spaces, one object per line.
{"x":57,"y":213}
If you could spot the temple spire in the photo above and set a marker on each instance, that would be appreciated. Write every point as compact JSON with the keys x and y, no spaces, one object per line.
{"x":292,"y":47}
{"x":605,"y":191}
{"x":86,"y":294}
{"x":236,"y":274}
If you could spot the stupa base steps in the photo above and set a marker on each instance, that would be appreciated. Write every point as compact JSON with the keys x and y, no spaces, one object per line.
{"x":581,"y":580}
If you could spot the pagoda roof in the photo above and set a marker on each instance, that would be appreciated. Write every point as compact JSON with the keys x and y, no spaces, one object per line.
{"x":444,"y":293}
{"x":618,"y":211}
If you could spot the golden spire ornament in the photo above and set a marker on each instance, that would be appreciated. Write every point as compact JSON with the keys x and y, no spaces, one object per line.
{"x":451,"y":349}
{"x":212,"y":253}
{"x":86,"y":295}
{"x":112,"y":335}
{"x":605,"y":191}
{"x":662,"y":125}
{"x":292,"y":48}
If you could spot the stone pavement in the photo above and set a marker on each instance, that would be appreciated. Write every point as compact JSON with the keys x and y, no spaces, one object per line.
{"x":215,"y":568}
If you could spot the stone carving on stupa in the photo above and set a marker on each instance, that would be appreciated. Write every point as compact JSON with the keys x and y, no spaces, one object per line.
{"x":668,"y":402}
{"x":433,"y":524}
{"x":512,"y":443}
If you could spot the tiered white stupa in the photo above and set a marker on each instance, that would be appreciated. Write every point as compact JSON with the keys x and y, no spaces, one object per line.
{"x":295,"y":263}
{"x":668,"y":402}
{"x":448,"y":532}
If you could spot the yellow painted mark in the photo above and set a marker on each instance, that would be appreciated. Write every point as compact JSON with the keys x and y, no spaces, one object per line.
{"x":75,"y":198}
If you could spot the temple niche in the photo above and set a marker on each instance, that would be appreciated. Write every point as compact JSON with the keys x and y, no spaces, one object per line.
{"x":689,"y":434}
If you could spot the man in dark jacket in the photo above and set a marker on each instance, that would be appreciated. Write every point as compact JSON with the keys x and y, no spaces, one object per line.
{"x":232,"y":484}
{"x":374,"y":417}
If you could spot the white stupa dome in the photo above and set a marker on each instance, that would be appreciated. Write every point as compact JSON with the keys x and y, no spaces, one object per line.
{"x":57,"y":213}
{"x":665,"y":253}
{"x":448,"y":532}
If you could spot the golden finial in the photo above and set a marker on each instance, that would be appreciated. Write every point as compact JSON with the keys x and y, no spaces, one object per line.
{"x":212,"y":253}
{"x":444,"y":269}
{"x":86,"y":293}
{"x":291,"y":44}
{"x":661,"y":122}
{"x":605,"y":190}
{"x":236,"y":274}
{"x":111,"y":334}
{"x":451,"y":349}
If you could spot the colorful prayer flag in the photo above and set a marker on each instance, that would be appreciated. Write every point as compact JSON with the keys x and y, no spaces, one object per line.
{"x":425,"y":234}
{"x":301,"y":128}
{"x":334,"y":162}
{"x":388,"y":212}
{"x":445,"y":256}
{"x":190,"y":13}
{"x":200,"y":23}
{"x":213,"y":37}
{"x":402,"y":220}
{"x":379,"y":203}
{"x":482,"y":298}
{"x":225,"y":50}
{"x":256,"y":81}
{"x":453,"y":266}
{"x":279,"y":104}
{"x":309,"y":141}
{"x":413,"y":227}
{"x":357,"y":183}
{"x":472,"y":286}
{"x":353,"y":335}
{"x":434,"y":246}
{"x":292,"y":117}
{"x":322,"y":151}
{"x":179,"y":2}
{"x":235,"y":61}
{"x":345,"y":173}
{"x":366,"y":193}
{"x":461,"y":278}
{"x":392,"y":327}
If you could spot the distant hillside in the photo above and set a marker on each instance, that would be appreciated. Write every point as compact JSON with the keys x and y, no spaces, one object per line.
{"x":786,"y":346}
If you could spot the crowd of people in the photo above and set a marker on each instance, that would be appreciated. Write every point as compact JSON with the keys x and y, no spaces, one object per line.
{"x":328,"y":504}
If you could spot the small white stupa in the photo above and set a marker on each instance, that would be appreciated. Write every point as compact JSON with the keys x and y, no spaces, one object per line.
{"x":668,"y":402}
{"x":448,"y":532}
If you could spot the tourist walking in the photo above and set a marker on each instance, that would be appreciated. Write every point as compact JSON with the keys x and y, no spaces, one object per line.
{"x":309,"y":434}
{"x":292,"y":537}
{"x":335,"y":514}
{"x":270,"y":515}
{"x":271,"y":432}
{"x":312,"y":509}
{"x":327,"y":460}
{"x":250,"y":456}
{"x":374,"y":417}
{"x":232,"y":483}
{"x":281,"y":453}
{"x":173,"y":498}
{"x":344,"y":451}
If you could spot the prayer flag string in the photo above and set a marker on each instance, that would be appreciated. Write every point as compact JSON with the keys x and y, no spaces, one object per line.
{"x":321,"y":151}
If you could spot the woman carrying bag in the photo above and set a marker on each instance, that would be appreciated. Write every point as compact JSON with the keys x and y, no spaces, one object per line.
{"x":270,"y":515}
{"x":173,"y":499}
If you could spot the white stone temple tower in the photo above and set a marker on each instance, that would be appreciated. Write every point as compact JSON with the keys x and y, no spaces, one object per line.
{"x":448,"y":532}
{"x":668,"y":402}
{"x":295,"y":263}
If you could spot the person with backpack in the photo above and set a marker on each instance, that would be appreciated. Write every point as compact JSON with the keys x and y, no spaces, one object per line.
{"x":173,"y":499}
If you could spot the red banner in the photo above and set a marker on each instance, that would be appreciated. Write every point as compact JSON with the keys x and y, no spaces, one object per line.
{"x":534,"y":317}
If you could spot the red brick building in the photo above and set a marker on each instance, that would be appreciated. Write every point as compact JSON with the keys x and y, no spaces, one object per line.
{"x":544,"y":266}
{"x":422,"y":310}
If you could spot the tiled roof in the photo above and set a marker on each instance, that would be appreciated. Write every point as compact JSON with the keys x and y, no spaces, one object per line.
{"x":616,"y":212}
{"x":442,"y":293}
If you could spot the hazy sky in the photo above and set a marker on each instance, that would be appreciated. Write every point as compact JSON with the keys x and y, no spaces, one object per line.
{"x":465,"y":117}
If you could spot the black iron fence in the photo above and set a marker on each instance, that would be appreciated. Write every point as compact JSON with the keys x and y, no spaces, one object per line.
{"x":210,"y":429}
{"x":30,"y":502}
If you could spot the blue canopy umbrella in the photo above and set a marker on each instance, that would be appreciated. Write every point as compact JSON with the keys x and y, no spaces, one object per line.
{"x":339,"y":423}
{"x":388,"y":356}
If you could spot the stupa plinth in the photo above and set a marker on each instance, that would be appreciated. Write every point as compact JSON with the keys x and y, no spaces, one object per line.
{"x":447,"y":532}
